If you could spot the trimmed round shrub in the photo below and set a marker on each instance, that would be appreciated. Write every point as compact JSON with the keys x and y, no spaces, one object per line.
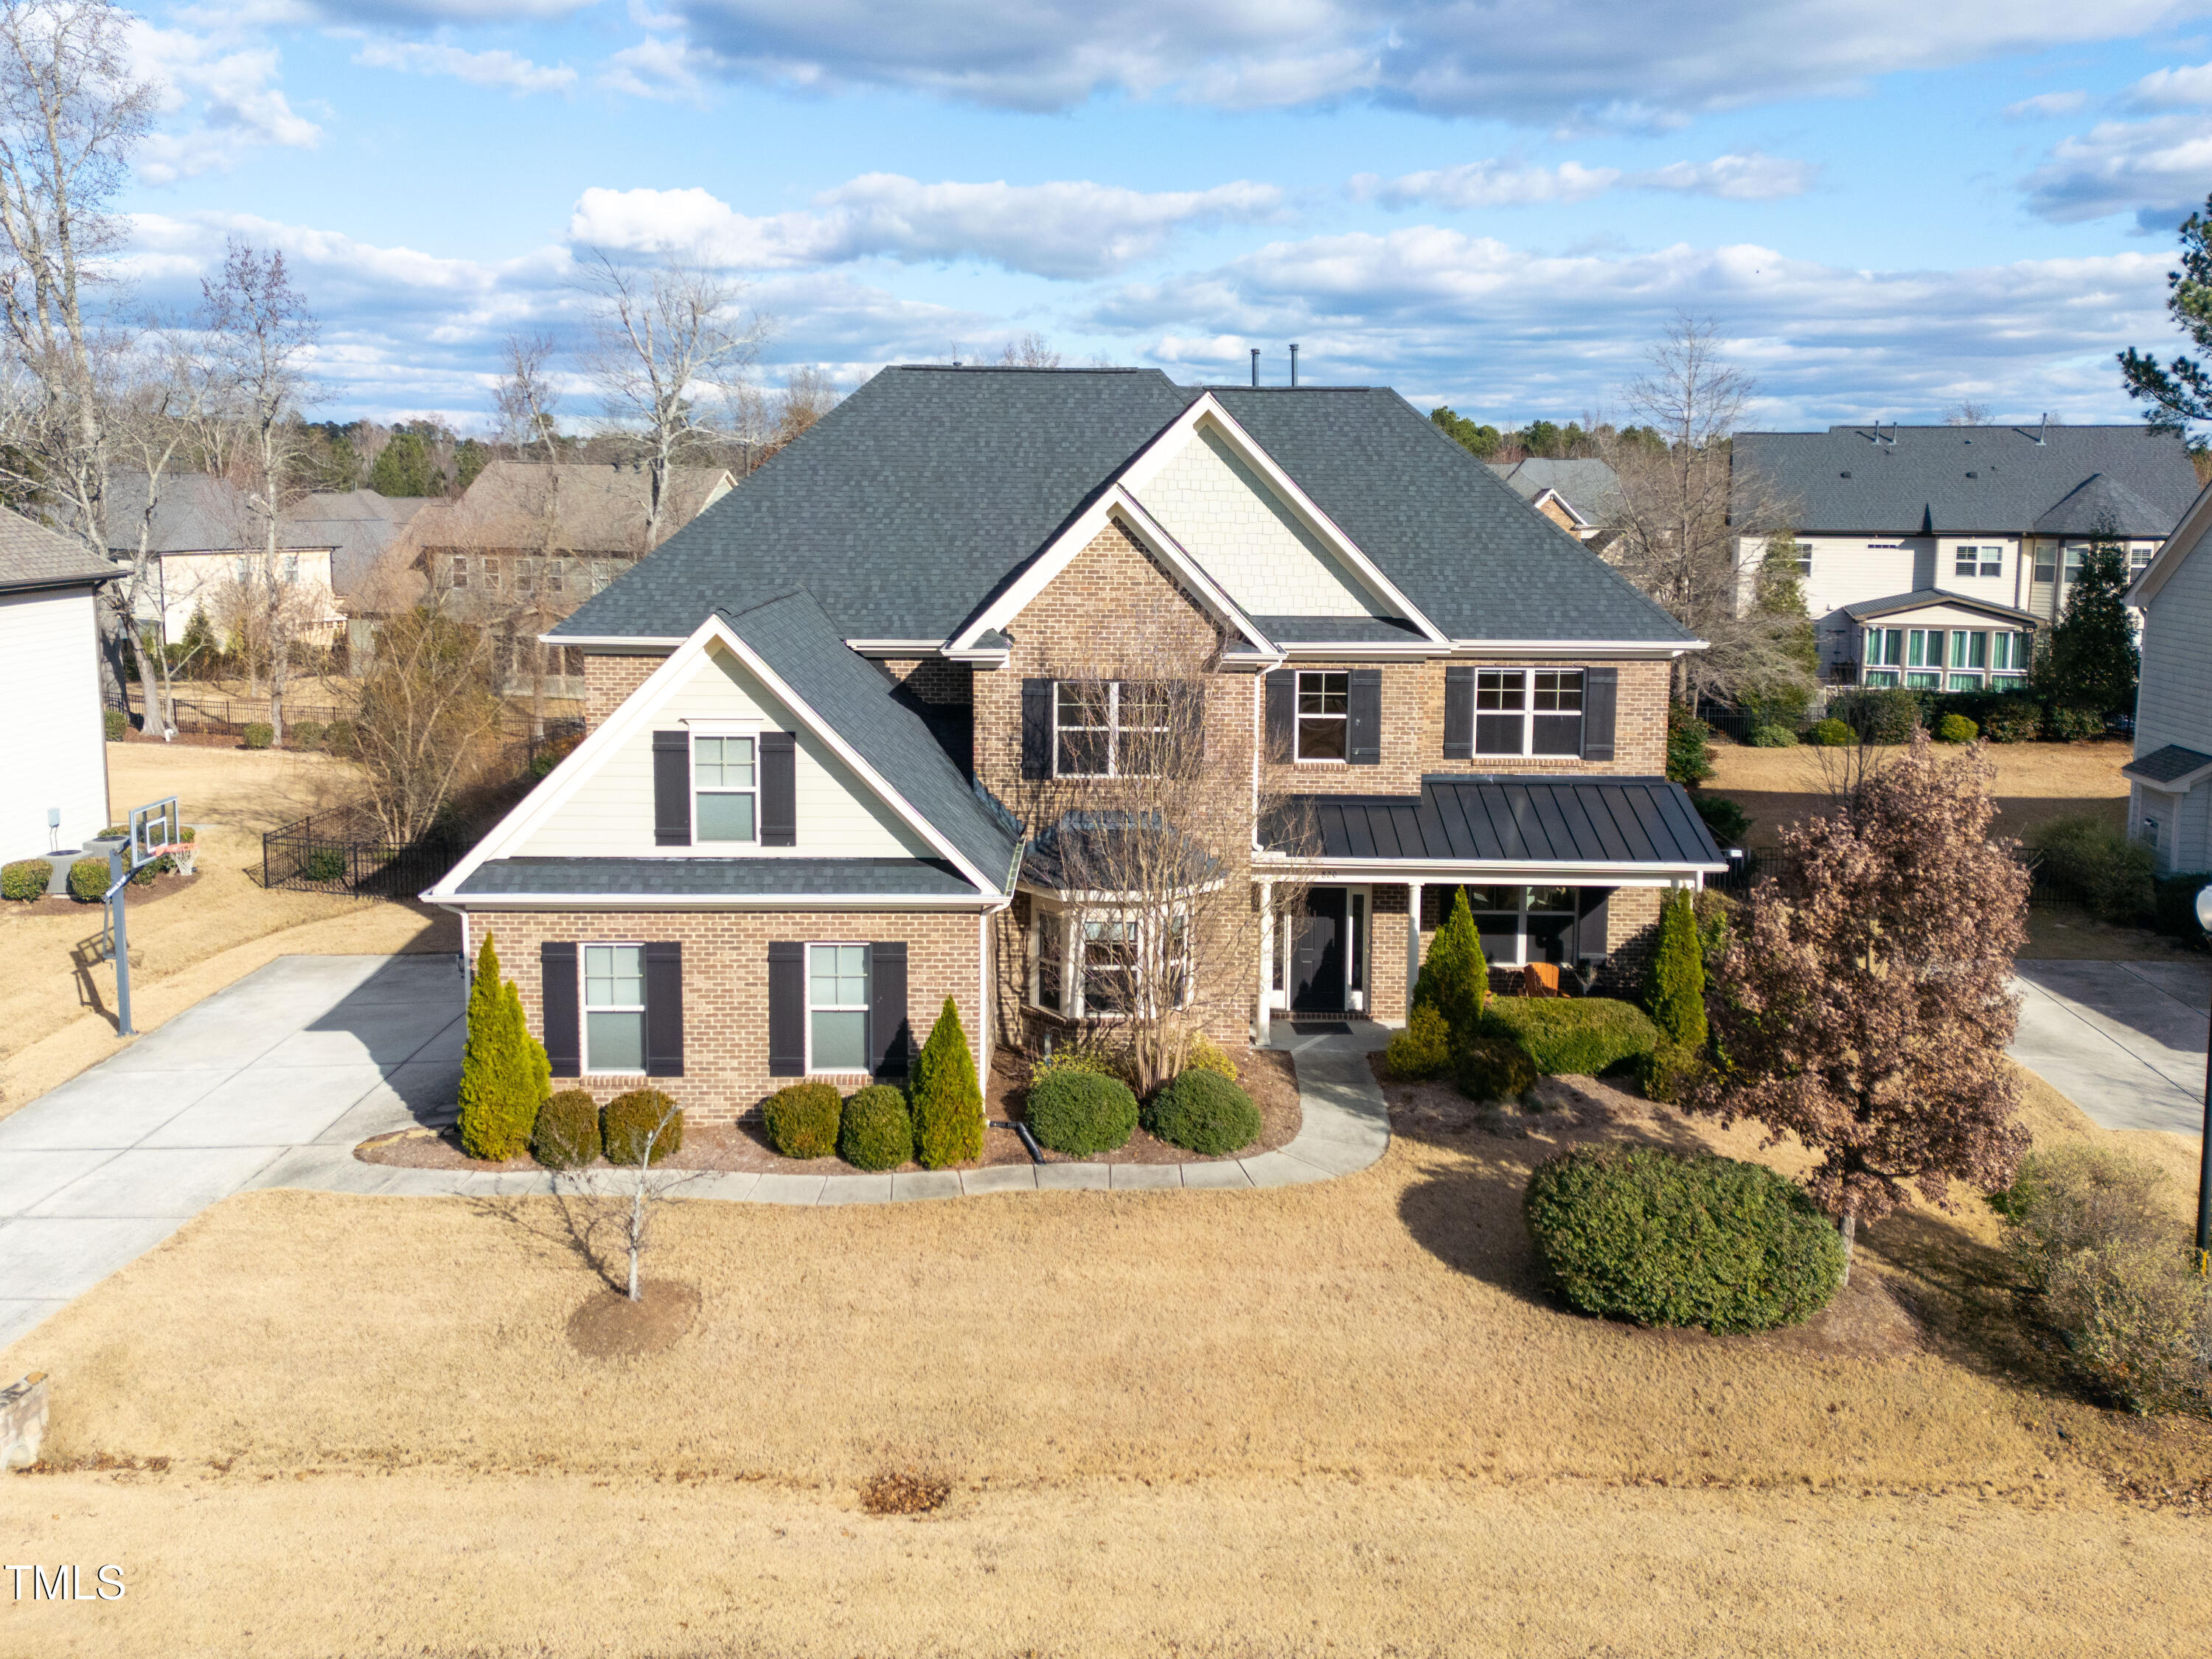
{"x":1079,"y":1112}
{"x":1665,"y":1073}
{"x":1956,"y":728}
{"x":1495,"y":1068}
{"x":1726,"y":818}
{"x":1830,"y":733}
{"x":338,"y":736}
{"x":324,"y":864}
{"x":26,"y":878}
{"x":802,"y":1119}
{"x":305,"y":734}
{"x":874,"y":1132}
{"x":1423,"y":1049}
{"x":1880,"y":715}
{"x":1575,"y":1036}
{"x":1673,"y":1238}
{"x":88,"y":880}
{"x":115,"y":723}
{"x":1204,"y":1113}
{"x":259,"y":735}
{"x":630,"y":1120}
{"x":1772,"y":737}
{"x":566,"y":1133}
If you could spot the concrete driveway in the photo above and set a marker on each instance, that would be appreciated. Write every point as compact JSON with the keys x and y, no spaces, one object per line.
{"x":291,"y":1065}
{"x":2124,"y":1040}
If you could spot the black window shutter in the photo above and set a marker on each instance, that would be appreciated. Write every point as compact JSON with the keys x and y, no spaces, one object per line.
{"x":787,"y":1009}
{"x":671,"y":788}
{"x":1037,"y":728}
{"x":1600,"y":690}
{"x":891,"y":1039}
{"x":663,"y":1010}
{"x":1459,"y":712}
{"x":557,"y":996}
{"x":779,"y":810}
{"x":1364,"y":741}
{"x":1591,"y":922}
{"x":1283,"y":715}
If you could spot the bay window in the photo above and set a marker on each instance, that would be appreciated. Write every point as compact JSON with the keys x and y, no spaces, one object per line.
{"x":1098,"y":963}
{"x":1884,"y":656}
{"x":1923,"y":656}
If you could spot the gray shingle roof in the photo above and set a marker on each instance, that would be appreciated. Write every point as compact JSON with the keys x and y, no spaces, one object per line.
{"x":1921,"y":597}
{"x":32,"y":555}
{"x":1511,"y":819}
{"x":798,"y":642}
{"x":1364,"y":630}
{"x":2164,"y":765}
{"x":196,"y":513}
{"x":1591,"y":487}
{"x":1916,"y":480}
{"x":532,"y":878}
{"x":904,"y":509}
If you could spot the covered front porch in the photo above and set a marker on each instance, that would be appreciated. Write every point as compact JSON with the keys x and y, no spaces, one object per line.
{"x":1563,"y":870}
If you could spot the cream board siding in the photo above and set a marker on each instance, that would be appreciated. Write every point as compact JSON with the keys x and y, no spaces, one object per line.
{"x":1847,"y":569}
{"x":610,"y":814}
{"x":185,"y":582}
{"x":2174,"y":705}
{"x":1245,"y":538}
{"x":57,"y":752}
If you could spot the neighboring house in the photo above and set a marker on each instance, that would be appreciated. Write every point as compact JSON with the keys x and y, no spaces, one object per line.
{"x":787,"y":837}
{"x":2170,"y":779}
{"x":526,"y":543}
{"x":205,"y":537}
{"x":49,"y":676}
{"x":1580,"y":496}
{"x":1932,"y":554}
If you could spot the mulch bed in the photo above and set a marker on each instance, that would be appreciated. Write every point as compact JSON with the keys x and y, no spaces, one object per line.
{"x":135,"y":899}
{"x":742,"y":1146}
{"x":610,"y":1326}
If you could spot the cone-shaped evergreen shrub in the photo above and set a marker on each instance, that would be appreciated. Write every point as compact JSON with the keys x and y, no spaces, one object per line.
{"x":802,"y":1118}
{"x":505,"y":1076}
{"x":948,"y":1103}
{"x":642,"y":1115}
{"x":1455,"y":978}
{"x":1675,"y":989}
{"x":875,"y":1131}
{"x":568,"y":1132}
{"x":1424,"y":1048}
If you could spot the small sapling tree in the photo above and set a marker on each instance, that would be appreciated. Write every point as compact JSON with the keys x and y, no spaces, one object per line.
{"x":1862,"y":1003}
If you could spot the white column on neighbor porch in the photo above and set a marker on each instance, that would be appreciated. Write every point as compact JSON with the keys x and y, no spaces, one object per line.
{"x":1412,"y":942}
{"x":1260,"y":1024}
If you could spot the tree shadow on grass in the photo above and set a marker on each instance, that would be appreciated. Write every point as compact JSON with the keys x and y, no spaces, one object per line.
{"x":570,"y":1224}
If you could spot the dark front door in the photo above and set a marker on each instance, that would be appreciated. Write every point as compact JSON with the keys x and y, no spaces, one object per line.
{"x":1317,"y":957}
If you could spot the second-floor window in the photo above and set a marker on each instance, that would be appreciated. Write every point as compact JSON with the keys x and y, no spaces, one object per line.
{"x":1324,"y":715}
{"x":724,"y":784}
{"x":1528,"y":711}
{"x":1978,"y":562}
{"x":1109,"y":728}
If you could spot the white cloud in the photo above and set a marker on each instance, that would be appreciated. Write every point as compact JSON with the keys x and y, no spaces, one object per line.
{"x":1062,"y":230}
{"x":667,"y":69}
{"x":2189,"y":86}
{"x":1643,"y":63}
{"x":216,"y":102}
{"x":2157,"y":169}
{"x":2045,"y":105}
{"x":1751,"y":178}
{"x":483,"y":69}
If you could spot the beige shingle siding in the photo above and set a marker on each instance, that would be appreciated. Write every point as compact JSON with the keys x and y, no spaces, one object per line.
{"x":2174,"y":705}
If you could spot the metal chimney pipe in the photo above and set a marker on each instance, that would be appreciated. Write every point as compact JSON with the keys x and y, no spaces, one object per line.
{"x":1294,"y":363}
{"x":1255,"y":365}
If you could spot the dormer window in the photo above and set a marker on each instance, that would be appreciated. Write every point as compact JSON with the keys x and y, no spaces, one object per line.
{"x":724,"y":785}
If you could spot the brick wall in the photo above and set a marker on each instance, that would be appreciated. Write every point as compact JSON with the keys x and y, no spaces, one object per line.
{"x":931,"y":679}
{"x":608,"y":681}
{"x":726,"y":985}
{"x":1413,"y":734}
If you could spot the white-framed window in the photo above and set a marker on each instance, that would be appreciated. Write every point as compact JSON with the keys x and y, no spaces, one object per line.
{"x":614,"y":1009}
{"x":1978,"y":561}
{"x":2074,"y":552}
{"x":1109,"y":728}
{"x":1086,"y":964}
{"x":837,"y":1008}
{"x":1521,"y":925}
{"x":458,"y":568}
{"x":725,"y":787}
{"x":1048,"y":952}
{"x":2139,"y":557}
{"x":2046,"y":562}
{"x":1324,"y":715}
{"x":288,"y":566}
{"x":1528,"y":711}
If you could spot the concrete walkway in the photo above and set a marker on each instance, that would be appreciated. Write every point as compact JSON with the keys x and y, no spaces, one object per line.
{"x":294,"y":1063}
{"x":273,"y":1081}
{"x":2124,"y":1040}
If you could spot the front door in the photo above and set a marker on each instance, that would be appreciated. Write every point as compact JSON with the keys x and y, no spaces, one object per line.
{"x":1317,"y":956}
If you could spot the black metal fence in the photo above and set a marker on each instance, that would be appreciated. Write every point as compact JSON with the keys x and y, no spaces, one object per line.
{"x":1746,"y":866}
{"x":345,"y":851}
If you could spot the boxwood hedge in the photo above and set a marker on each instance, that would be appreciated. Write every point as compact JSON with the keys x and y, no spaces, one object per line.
{"x":1572,"y":1036}
{"x":802,"y":1119}
{"x":1203,"y":1112}
{"x":1080,"y":1113}
{"x":875,"y":1131}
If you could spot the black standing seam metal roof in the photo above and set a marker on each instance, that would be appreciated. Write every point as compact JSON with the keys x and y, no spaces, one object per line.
{"x":909,"y":505}
{"x":1511,"y":819}
{"x":755,"y":878}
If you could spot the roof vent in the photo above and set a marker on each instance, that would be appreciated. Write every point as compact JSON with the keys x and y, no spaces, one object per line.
{"x":1843,"y":475}
{"x":1974,"y":475}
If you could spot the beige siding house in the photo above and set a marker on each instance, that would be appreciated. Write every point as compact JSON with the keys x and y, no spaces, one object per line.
{"x":2170,"y":779}
{"x":56,"y":794}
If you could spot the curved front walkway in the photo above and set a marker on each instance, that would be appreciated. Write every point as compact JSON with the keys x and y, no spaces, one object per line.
{"x":273,"y":1081}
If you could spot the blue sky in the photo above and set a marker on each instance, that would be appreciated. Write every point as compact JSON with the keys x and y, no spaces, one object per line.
{"x":1884,"y":209}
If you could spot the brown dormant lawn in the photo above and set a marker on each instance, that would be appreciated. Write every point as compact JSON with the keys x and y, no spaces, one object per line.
{"x":1338,"y":1419}
{"x":56,"y":1005}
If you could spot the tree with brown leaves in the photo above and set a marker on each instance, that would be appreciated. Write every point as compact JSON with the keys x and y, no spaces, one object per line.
{"x":1862,"y":1005}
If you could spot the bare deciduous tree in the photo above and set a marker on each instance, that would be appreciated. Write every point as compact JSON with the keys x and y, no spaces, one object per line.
{"x":1032,"y":350}
{"x":154,"y":414}
{"x":666,"y":340}
{"x":1863,"y":1003}
{"x":525,"y":399}
{"x":425,"y":719}
{"x":1683,"y":516}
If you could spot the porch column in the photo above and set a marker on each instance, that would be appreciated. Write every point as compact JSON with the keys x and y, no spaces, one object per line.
{"x":1261,"y":1021}
{"x":1413,"y":943}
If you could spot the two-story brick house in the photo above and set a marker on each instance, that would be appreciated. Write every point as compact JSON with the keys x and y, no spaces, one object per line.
{"x":846,"y":727}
